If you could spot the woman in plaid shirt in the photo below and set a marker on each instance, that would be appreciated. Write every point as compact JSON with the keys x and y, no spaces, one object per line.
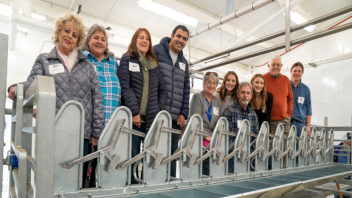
{"x":95,"y":47}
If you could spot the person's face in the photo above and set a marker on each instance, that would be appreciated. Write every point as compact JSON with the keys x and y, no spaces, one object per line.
{"x":97,"y":43}
{"x":275,"y":66}
{"x":347,"y":144}
{"x":296,"y":74}
{"x":68,"y":37}
{"x":178,"y":40}
{"x":244,"y":96}
{"x":230,"y":82}
{"x":258,"y":84}
{"x":210,"y":86}
{"x":143,"y":42}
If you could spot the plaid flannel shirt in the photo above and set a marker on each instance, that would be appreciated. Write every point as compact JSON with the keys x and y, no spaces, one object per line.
{"x":234,"y":113}
{"x":109,"y":82}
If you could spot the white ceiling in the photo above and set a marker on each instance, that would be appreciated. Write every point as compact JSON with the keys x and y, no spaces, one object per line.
{"x":127,"y":13}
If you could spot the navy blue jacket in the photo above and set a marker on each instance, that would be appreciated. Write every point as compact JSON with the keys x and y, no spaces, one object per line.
{"x":132,"y":88}
{"x":176,"y":79}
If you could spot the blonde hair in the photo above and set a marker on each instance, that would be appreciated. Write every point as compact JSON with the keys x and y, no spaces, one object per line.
{"x":76,"y":22}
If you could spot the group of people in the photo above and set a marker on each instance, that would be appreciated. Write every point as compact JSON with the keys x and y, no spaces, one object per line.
{"x":154,"y":78}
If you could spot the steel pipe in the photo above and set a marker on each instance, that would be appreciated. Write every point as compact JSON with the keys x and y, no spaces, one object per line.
{"x":278,"y":34}
{"x":288,"y":25}
{"x":236,"y":14}
{"x":278,"y":47}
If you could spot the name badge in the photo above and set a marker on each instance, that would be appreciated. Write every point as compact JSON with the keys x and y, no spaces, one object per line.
{"x":216,"y":111}
{"x":56,"y":69}
{"x":134,"y":67}
{"x":239,"y":123}
{"x":300,"y":100}
{"x":182,"y":66}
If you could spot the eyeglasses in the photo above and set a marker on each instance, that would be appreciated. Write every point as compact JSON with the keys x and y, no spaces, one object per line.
{"x":214,"y":73}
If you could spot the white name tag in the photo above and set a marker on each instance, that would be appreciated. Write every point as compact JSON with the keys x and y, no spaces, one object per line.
{"x":239,"y":123}
{"x":134,"y":67}
{"x":182,"y":66}
{"x":300,"y":100}
{"x":56,"y":69}
{"x":216,"y":111}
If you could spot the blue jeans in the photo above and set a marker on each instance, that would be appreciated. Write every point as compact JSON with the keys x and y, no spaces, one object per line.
{"x":136,"y":144}
{"x":299,"y":126}
{"x":174,"y":146}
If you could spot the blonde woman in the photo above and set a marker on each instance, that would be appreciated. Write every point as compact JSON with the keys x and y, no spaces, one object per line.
{"x":262,"y":100}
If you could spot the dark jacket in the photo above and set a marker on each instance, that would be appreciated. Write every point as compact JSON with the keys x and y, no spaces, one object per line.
{"x":132,"y":88}
{"x":176,"y":79}
{"x":269,"y":106}
{"x":81,"y":85}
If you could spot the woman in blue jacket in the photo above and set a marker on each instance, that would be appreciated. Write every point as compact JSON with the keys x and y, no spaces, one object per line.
{"x":142,"y":84}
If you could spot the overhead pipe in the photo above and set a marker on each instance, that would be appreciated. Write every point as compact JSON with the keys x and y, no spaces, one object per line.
{"x":236,"y":14}
{"x":304,"y":43}
{"x":288,"y":25}
{"x":278,"y":34}
{"x":262,"y":24}
{"x":278,"y":47}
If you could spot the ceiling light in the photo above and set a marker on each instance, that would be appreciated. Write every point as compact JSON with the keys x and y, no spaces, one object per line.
{"x":331,"y":59}
{"x":5,"y":10}
{"x":22,"y":29}
{"x":121,"y":39}
{"x":168,"y":12}
{"x":298,"y":19}
{"x":38,"y":16}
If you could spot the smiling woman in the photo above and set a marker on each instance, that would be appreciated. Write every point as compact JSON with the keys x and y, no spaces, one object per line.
{"x":75,"y":77}
{"x":262,"y":100}
{"x":143,"y":85}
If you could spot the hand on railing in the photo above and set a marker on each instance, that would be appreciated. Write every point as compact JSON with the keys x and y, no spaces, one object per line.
{"x":12,"y":93}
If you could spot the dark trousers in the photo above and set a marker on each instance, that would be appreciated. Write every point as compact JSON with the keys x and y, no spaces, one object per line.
{"x":136,"y":145}
{"x":87,"y":149}
{"x":174,"y":146}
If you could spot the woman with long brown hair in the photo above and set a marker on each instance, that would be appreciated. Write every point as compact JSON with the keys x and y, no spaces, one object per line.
{"x":142,"y":84}
{"x":262,"y":100}
{"x":228,"y":90}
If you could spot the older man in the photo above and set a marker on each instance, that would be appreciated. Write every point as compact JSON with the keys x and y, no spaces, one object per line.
{"x":302,"y":106}
{"x":239,"y":111}
{"x":280,"y":86}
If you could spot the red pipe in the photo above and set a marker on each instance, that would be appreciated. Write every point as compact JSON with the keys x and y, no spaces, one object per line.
{"x":305,"y":42}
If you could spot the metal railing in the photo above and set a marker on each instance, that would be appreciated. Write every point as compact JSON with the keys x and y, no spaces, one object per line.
{"x":41,"y":161}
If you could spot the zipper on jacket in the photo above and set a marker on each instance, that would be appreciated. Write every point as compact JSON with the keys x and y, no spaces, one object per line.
{"x":69,"y":75}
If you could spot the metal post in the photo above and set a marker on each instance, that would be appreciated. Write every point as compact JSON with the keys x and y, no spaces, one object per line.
{"x":277,"y":47}
{"x":44,"y":87}
{"x":189,"y":50}
{"x":278,"y":34}
{"x":3,"y":78}
{"x":288,"y":25}
{"x":325,"y":121}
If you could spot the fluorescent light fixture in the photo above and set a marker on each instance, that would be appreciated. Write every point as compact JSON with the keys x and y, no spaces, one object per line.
{"x":167,"y":12}
{"x":22,"y":29}
{"x":38,"y":16}
{"x":20,"y":12}
{"x":5,"y":10}
{"x":331,"y":59}
{"x":217,"y":58}
{"x":121,"y":39}
{"x":298,"y":19}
